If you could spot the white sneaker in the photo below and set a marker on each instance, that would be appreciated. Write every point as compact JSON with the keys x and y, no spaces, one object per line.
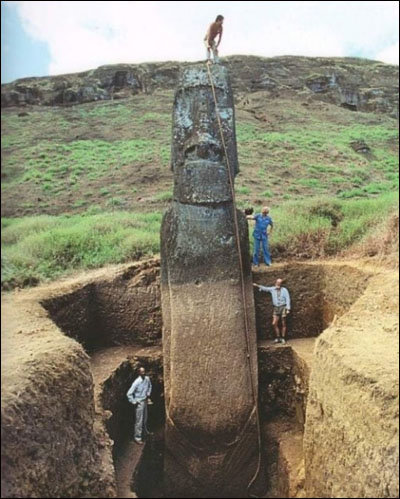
{"x":283,"y":341}
{"x":276,"y":340}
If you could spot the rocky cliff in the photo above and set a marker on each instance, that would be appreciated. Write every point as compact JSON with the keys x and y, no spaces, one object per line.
{"x":358,"y":84}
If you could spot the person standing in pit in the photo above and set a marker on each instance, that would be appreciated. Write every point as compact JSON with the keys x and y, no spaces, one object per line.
{"x":281,"y":304}
{"x":139,"y":395}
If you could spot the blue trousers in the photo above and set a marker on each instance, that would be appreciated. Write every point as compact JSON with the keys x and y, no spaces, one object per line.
{"x":141,"y":419}
{"x":267,"y":256}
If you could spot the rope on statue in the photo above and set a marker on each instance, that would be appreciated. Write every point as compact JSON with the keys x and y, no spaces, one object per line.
{"x":246,"y":320}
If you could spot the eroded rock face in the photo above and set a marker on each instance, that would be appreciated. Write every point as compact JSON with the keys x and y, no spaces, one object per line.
{"x":211,"y":424}
{"x":353,"y":83}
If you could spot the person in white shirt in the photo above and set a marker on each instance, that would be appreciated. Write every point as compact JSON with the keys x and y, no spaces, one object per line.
{"x":281,"y":303}
{"x":138,"y":395}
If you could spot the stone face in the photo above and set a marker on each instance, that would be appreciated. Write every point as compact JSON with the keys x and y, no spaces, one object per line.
{"x":211,"y":425}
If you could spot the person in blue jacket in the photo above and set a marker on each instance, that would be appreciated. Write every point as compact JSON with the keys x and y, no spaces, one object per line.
{"x":260,"y":234}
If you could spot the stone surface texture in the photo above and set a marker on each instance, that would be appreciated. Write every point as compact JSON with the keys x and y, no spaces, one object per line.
{"x":211,"y":428}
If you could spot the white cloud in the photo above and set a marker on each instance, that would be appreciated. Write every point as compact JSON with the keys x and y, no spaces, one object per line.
{"x":84,"y":35}
{"x":389,"y":54}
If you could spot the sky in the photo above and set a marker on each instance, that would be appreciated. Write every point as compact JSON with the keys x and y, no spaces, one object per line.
{"x":40,"y":38}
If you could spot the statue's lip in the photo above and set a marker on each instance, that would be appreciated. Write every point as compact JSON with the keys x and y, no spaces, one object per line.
{"x":203,"y":142}
{"x":202,"y":160}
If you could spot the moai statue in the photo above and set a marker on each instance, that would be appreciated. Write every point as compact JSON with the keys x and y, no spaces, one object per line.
{"x":210,"y":364}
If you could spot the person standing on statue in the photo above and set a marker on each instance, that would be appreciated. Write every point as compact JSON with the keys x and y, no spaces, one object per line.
{"x":260,"y":234}
{"x":281,"y":304}
{"x":214,"y":29}
{"x":139,"y":395}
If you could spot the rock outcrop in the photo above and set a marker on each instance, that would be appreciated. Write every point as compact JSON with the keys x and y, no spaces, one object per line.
{"x":356,"y":84}
{"x":210,"y":372}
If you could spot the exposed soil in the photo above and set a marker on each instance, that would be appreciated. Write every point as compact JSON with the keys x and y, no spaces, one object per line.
{"x":283,"y":373}
{"x":113,"y":371}
{"x":123,"y":310}
{"x":318,"y":293}
{"x":39,"y":363}
{"x":51,"y":445}
{"x":351,"y":434}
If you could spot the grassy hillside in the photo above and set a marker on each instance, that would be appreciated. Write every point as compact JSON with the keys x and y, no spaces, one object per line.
{"x":116,"y":154}
{"x":86,"y":185}
{"x":45,"y":247}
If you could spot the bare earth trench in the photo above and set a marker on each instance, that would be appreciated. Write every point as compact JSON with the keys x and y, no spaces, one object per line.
{"x":63,"y":407}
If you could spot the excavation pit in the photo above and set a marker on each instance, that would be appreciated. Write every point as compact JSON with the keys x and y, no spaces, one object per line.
{"x":117,"y":319}
{"x":126,"y":310}
{"x":319,"y":293}
{"x":283,"y":384}
{"x":123,"y":310}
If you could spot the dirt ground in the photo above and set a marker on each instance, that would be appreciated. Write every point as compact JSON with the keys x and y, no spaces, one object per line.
{"x":351,"y":440}
{"x":47,"y":410}
{"x":39,"y":363}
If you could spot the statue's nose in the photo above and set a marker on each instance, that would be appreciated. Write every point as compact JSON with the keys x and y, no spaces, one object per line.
{"x":204,"y":150}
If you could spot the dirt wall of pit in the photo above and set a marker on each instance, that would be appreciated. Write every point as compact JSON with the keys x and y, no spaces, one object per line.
{"x":122,"y":310}
{"x":55,"y":445}
{"x":351,"y":440}
{"x":282,"y":384}
{"x":50,"y":443}
{"x":126,"y":309}
{"x":54,"y":442}
{"x":318,"y":293}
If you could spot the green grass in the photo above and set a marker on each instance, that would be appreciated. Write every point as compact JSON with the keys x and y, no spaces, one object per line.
{"x":44,"y":247}
{"x":369,"y":189}
{"x":318,"y":156}
{"x":164,"y":196}
{"x":318,"y":138}
{"x":310,"y":182}
{"x":326,"y":226}
{"x":159,"y":118}
{"x":267,"y":194}
{"x":242,"y":189}
{"x":54,"y":151}
{"x":91,"y":158}
{"x":116,"y":202}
